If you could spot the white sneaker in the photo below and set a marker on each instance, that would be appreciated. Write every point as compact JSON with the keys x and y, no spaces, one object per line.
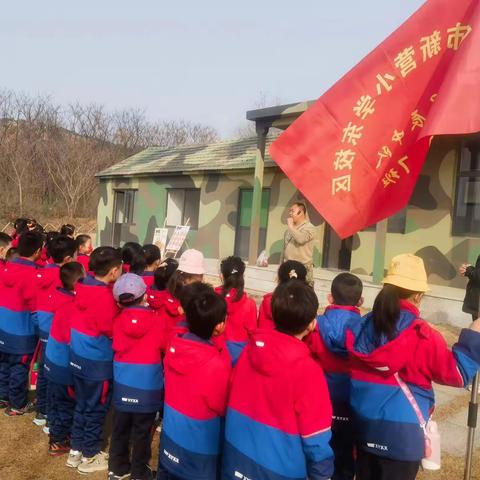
{"x":74,"y":459}
{"x":46,"y":429}
{"x":97,"y":463}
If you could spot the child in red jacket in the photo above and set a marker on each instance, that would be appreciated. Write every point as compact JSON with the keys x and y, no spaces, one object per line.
{"x":241,"y":309}
{"x":18,"y":339}
{"x":138,"y":343}
{"x":289,"y":270}
{"x":61,"y":250}
{"x":279,"y":412}
{"x":151,"y":254}
{"x":84,"y":250}
{"x":196,"y":389}
{"x":91,"y":358}
{"x":61,"y":400}
{"x":328,"y":346}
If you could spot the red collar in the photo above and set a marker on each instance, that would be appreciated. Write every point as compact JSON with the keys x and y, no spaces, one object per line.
{"x":343,"y":307}
{"x":410,"y":307}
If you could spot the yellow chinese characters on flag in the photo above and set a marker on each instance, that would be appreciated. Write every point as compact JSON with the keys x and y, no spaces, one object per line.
{"x":357,"y":152}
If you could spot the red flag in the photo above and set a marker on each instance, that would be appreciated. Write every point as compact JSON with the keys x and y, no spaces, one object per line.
{"x":357,"y":152}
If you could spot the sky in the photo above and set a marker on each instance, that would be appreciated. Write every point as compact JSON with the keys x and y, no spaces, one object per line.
{"x":204,"y":61}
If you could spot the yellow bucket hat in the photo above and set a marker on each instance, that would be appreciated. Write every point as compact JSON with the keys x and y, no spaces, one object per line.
{"x":407,"y":271}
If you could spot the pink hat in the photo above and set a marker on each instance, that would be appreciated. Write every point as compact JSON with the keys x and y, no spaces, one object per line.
{"x":191,"y":261}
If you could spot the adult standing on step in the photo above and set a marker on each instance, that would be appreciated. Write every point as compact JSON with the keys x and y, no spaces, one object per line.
{"x":299,"y":238}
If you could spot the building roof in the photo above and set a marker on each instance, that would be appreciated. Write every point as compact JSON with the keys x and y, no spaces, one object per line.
{"x":280,"y":116}
{"x":225,"y":155}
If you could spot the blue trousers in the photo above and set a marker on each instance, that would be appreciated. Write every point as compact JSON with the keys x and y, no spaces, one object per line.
{"x":60,"y":408}
{"x":92,"y":402}
{"x":14,"y":371}
{"x":42,"y":382}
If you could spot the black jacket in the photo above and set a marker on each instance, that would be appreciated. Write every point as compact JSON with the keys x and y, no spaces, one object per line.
{"x":472,"y":295}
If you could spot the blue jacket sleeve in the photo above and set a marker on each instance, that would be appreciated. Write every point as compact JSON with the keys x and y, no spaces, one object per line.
{"x":467,"y":354}
{"x":319,"y":456}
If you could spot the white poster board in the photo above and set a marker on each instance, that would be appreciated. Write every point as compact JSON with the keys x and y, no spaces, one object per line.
{"x":160,"y":236}
{"x":177,"y":239}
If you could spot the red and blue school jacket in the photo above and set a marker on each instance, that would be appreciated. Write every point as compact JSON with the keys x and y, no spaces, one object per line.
{"x":241,"y":322}
{"x":385,"y":422}
{"x":327,"y":344}
{"x":139,"y":340}
{"x":84,"y":260}
{"x":57,"y":353}
{"x":46,"y":299}
{"x":279,"y":413}
{"x":167,"y":306}
{"x":18,"y":292}
{"x":265,"y":319}
{"x":197,"y":378}
{"x":148,"y":278}
{"x":91,"y":352}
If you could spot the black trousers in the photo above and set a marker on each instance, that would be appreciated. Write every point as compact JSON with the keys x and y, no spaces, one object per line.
{"x":373,"y":467}
{"x":135,"y":429}
{"x":342,"y":445}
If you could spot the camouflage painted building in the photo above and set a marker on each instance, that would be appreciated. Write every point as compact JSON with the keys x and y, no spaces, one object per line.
{"x":218,"y":186}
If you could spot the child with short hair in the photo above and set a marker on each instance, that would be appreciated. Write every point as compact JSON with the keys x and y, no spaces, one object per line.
{"x":327,"y":344}
{"x":279,"y":397}
{"x":241,"y":309}
{"x":151,"y":255}
{"x":91,"y":358}
{"x":138,"y":343}
{"x":133,"y":258}
{"x":84,"y":249}
{"x":289,"y":270}
{"x":61,"y":250}
{"x":196,"y":388}
{"x":18,"y":340}
{"x":61,"y":399}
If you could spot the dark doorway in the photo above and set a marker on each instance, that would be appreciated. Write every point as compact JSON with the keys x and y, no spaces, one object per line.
{"x":337,"y":253}
{"x":122,"y":213}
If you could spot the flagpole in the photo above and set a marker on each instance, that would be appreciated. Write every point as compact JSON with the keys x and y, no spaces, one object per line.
{"x":472,"y":425}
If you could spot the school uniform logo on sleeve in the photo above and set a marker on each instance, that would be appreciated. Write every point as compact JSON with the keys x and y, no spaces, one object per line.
{"x":241,"y":476}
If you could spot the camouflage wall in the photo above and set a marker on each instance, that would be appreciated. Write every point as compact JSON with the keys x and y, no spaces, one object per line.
{"x":219,"y":199}
{"x":428,"y":218}
{"x":428,"y":231}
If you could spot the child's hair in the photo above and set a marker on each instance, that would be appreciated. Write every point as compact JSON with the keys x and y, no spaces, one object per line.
{"x":386,"y":309}
{"x":67,"y":229}
{"x":21,"y":225}
{"x":291,"y":270}
{"x":163,"y":273}
{"x":29,"y":243}
{"x":294,"y":306}
{"x":70,"y":274}
{"x":11,"y":254}
{"x":204,"y":311}
{"x":191,"y":291}
{"x":179,"y":279}
{"x":61,"y":247}
{"x":81,"y":240}
{"x":346,"y":289}
{"x":103,"y":259}
{"x":49,"y":236}
{"x":5,"y":239}
{"x":232,"y":269}
{"x":151,"y":254}
{"x":132,"y":254}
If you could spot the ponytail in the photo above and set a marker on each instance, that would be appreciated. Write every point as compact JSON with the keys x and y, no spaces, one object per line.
{"x":232,"y":269}
{"x":386,"y":309}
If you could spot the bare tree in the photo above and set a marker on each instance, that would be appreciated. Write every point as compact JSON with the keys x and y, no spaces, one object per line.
{"x":263,"y":100}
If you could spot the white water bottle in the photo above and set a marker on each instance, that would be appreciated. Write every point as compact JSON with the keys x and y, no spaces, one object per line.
{"x":433,"y":461}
